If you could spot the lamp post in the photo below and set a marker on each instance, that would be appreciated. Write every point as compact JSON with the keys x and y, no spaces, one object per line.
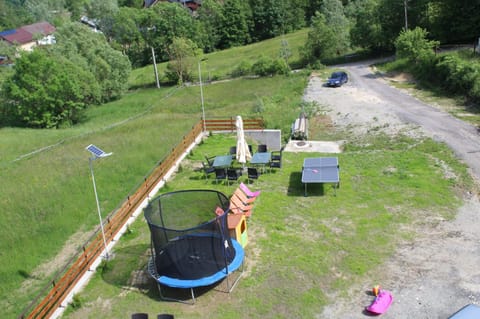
{"x":98,"y":153}
{"x":201,"y":92}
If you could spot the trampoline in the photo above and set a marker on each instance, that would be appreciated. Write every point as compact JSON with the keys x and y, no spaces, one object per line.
{"x":190,"y":244}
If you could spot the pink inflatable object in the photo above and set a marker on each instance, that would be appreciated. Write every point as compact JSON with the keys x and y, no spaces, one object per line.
{"x":247,"y":191}
{"x":381,"y":303}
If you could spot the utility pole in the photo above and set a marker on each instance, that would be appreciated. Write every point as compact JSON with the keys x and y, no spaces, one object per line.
{"x":155,"y":68}
{"x":406,"y":18}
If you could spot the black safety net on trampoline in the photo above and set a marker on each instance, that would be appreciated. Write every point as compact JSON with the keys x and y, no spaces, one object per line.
{"x":189,"y":241}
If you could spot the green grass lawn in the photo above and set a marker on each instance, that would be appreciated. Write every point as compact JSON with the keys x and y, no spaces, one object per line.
{"x":300,"y":249}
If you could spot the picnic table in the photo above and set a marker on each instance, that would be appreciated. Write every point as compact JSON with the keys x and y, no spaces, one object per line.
{"x":261,"y":159}
{"x":222,"y":161}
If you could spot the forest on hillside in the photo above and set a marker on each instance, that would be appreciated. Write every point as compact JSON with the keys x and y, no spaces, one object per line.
{"x":220,"y":24}
{"x":40,"y":92}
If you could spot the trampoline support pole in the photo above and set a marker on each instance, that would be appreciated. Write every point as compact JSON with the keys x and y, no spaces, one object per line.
{"x":230,"y":288}
{"x":163,"y":297}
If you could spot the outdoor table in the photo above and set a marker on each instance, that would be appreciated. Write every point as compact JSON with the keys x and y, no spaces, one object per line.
{"x":222,"y":161}
{"x":321,"y":170}
{"x":261,"y":159}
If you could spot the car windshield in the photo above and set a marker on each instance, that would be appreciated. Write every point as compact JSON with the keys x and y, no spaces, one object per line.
{"x":336,"y":75}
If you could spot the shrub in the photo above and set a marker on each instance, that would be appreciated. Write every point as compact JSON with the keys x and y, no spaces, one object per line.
{"x":459,"y":76}
{"x":266,"y":66}
{"x":414,"y":45}
{"x":262,"y":66}
{"x":244,"y":68}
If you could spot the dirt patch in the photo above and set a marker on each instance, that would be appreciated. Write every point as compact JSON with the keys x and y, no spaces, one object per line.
{"x":397,"y":77}
{"x":46,"y":270}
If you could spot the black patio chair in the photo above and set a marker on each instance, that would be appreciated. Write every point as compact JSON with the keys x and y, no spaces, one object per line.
{"x":262,"y":148}
{"x":207,"y":170}
{"x":250,"y":148}
{"x":210,"y":160}
{"x":276,"y":164}
{"x":140,"y":315}
{"x":233,"y":174}
{"x":165,"y":316}
{"x":252,"y":173}
{"x":276,"y":155}
{"x":233,"y":151}
{"x":220,"y":173}
{"x":276,"y":159}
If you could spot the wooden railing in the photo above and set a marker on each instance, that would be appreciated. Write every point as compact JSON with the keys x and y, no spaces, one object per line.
{"x":70,"y":275}
{"x":223,"y":124}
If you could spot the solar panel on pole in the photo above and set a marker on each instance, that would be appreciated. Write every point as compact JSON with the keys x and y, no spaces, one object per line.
{"x":97,"y":152}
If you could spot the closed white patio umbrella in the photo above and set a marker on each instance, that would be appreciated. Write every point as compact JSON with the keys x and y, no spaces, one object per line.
{"x":243,"y":153}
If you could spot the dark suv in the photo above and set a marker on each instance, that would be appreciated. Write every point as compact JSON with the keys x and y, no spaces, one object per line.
{"x":337,"y":79}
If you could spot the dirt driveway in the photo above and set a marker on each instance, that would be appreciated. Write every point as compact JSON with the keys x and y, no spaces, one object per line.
{"x":440,"y":271}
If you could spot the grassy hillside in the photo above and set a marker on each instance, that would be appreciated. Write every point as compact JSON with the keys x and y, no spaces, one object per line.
{"x":219,"y":65}
{"x":48,"y":205}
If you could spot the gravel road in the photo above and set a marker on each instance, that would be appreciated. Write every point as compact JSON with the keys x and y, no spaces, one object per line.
{"x":440,"y":272}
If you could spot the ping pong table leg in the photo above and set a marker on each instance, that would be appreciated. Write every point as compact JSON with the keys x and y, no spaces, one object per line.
{"x":305,"y":194}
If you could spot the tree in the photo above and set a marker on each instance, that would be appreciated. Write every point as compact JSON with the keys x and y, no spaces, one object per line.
{"x":47,"y":91}
{"x":166,"y":21}
{"x":294,"y":16}
{"x":76,"y":8}
{"x":125,"y":33}
{"x":312,"y":6}
{"x":236,"y":24}
{"x":103,"y":12}
{"x":392,"y":20}
{"x":414,"y":46}
{"x":91,"y":51}
{"x":366,"y":28}
{"x":320,"y":42}
{"x":454,"y":21}
{"x":42,"y":10}
{"x":335,"y":18}
{"x":13,"y":14}
{"x":268,"y":18}
{"x":182,"y":53}
{"x":210,"y":16}
{"x":8,"y":50}
{"x":285,"y":52}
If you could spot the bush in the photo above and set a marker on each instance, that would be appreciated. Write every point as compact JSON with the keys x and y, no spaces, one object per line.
{"x":244,"y":68}
{"x":414,"y":45}
{"x":265,"y":66}
{"x":262,"y":66}
{"x":459,"y":76}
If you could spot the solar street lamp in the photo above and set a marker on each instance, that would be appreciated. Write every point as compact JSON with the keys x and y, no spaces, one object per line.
{"x":98,"y":153}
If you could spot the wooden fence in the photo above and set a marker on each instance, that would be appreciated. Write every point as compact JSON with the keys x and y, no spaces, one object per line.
{"x":56,"y":292}
{"x":229,"y":124}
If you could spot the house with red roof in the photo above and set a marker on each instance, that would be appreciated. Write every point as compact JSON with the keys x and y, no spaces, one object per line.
{"x":29,"y":36}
